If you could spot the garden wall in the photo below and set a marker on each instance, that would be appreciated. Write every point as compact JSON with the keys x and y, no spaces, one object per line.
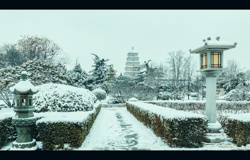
{"x":177,"y":128}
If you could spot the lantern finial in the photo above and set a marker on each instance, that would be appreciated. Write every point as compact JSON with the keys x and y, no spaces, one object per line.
{"x":24,"y":75}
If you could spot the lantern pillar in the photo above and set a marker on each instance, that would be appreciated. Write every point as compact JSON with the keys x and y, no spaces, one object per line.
{"x":210,"y":99}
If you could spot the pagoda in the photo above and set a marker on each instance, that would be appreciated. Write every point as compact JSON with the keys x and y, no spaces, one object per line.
{"x":132,"y":64}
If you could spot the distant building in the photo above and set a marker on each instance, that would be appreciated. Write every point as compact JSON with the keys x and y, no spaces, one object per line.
{"x":132,"y":64}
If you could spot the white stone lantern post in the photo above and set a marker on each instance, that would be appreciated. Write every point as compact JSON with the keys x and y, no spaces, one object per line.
{"x":211,"y":64}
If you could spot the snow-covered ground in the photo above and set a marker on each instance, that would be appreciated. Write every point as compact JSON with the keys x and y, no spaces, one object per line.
{"x":117,"y":129}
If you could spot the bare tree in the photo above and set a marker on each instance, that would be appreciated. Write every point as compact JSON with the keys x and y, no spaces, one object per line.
{"x":176,"y":66}
{"x":188,"y":71}
{"x":34,"y":47}
{"x":154,"y":76}
{"x":233,"y":68}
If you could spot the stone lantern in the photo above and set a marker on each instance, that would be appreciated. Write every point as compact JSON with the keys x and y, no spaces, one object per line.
{"x":211,"y":54}
{"x":24,"y":119}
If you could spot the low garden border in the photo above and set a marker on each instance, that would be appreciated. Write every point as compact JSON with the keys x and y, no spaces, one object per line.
{"x":177,"y":128}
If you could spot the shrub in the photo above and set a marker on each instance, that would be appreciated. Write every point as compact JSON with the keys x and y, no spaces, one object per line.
{"x":179,"y":129}
{"x":7,"y":131}
{"x":237,"y":128}
{"x":164,"y":96}
{"x":99,"y":93}
{"x":63,"y":98}
{"x":55,"y":131}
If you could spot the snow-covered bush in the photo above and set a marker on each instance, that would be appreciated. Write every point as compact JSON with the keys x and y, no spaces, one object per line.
{"x":7,"y":131}
{"x":169,"y":96}
{"x":113,"y":101}
{"x":178,"y":128}
{"x":236,"y":127}
{"x":234,"y":95}
{"x":64,"y":128}
{"x":39,"y":72}
{"x":63,"y":98}
{"x":99,"y":93}
{"x":164,"y":96}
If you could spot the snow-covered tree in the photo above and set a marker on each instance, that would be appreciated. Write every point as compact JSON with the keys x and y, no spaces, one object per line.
{"x":39,"y":72}
{"x":122,"y":88}
{"x":40,"y":48}
{"x":100,"y":70}
{"x":153,"y":77}
{"x":143,"y":70}
{"x":81,"y":78}
{"x":111,"y":73}
{"x":107,"y":85}
{"x":10,"y":56}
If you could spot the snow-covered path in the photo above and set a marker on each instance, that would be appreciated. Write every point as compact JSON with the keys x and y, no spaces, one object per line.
{"x":117,"y":129}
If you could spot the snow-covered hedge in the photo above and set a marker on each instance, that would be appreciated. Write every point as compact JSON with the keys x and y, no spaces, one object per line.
{"x":220,"y":106}
{"x":7,"y":131}
{"x":236,"y":127}
{"x":99,"y":93}
{"x":55,"y":129}
{"x":63,"y":98}
{"x":169,"y":96}
{"x":179,"y":128}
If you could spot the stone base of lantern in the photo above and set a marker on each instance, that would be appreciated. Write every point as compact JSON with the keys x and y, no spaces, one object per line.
{"x":214,"y":135}
{"x":24,"y":146}
{"x":214,"y":138}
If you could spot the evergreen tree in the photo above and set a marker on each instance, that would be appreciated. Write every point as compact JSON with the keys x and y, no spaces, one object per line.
{"x":107,"y":85}
{"x":81,"y":78}
{"x":100,"y":70}
{"x":111,"y":73}
{"x":144,"y":68}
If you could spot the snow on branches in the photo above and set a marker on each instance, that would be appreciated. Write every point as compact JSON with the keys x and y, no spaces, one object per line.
{"x":39,"y":72}
{"x":63,"y":98}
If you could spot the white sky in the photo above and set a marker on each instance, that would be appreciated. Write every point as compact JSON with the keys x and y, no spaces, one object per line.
{"x":111,"y":33}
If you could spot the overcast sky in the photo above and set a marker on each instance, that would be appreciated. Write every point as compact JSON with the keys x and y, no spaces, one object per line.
{"x":111,"y":33}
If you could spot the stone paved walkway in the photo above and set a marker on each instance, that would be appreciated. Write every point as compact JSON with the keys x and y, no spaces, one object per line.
{"x":118,"y":129}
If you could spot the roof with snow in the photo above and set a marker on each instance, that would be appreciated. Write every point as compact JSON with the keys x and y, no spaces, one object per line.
{"x":24,"y":86}
{"x":213,"y":44}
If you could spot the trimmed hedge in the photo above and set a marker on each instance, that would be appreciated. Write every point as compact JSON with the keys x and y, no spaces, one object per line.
{"x":177,"y":132}
{"x":54,"y":134}
{"x":8,"y":132}
{"x":220,"y":106}
{"x":238,"y":131}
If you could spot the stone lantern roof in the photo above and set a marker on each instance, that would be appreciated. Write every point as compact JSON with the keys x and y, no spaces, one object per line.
{"x":24,"y":86}
{"x":213,"y":44}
